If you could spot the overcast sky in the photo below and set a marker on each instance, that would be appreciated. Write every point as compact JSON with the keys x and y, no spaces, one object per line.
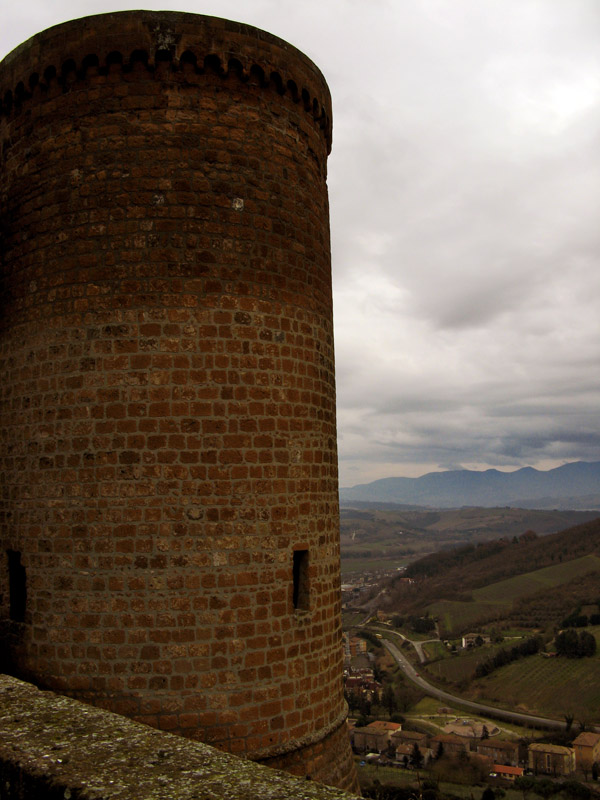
{"x":465,"y":210}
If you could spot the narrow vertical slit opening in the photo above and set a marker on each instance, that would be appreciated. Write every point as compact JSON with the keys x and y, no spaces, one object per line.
{"x":17,"y":586}
{"x":300,"y":595}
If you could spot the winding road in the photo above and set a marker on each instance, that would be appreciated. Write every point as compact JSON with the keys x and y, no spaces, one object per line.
{"x":482,"y":708}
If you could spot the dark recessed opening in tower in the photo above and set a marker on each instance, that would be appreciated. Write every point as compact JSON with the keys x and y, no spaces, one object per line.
{"x":300,"y":596}
{"x":17,"y":585}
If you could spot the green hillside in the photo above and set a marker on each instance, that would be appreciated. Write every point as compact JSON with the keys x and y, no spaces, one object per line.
{"x":540,"y":580}
{"x":400,"y":535}
{"x":497,"y":601}
{"x":536,"y":684}
{"x":557,"y":686}
{"x":507,"y":591}
{"x":515,"y":593}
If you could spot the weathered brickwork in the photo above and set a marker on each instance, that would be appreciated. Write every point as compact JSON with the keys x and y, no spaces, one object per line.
{"x":169,"y":519}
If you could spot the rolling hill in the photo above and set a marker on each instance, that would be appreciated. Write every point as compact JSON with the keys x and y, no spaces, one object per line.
{"x":380,"y":536}
{"x":536,"y":580}
{"x":574,"y":486}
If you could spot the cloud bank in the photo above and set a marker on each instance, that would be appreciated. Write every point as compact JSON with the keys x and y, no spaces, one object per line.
{"x":465,"y":188}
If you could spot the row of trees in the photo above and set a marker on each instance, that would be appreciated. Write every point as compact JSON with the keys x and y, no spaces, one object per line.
{"x":571,"y":644}
{"x":440,"y":562}
{"x":422,"y":624}
{"x":505,"y":656}
{"x":416,"y":623}
{"x":577,"y":620}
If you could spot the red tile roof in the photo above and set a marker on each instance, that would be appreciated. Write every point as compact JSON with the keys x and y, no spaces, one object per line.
{"x":501,"y":769}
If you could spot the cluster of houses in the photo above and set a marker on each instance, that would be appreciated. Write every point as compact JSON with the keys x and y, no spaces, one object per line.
{"x":353,"y":646}
{"x":362,"y":684}
{"x":556,"y":760}
{"x":501,"y":758}
{"x":359,"y":680}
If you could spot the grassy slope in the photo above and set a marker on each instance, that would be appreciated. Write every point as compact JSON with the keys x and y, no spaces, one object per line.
{"x":373,"y":538}
{"x":458,"y":669}
{"x":357,"y":566}
{"x":554,"y":686}
{"x":394,"y":776}
{"x":474,"y":567}
{"x":457,"y":616}
{"x":507,"y":591}
{"x":497,"y":599}
{"x":497,"y":582}
{"x":464,"y":586}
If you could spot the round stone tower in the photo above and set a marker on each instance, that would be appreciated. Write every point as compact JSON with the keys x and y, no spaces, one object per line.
{"x":168,"y":510}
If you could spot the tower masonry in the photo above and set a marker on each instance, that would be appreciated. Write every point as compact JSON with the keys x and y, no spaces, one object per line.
{"x":168,"y":467}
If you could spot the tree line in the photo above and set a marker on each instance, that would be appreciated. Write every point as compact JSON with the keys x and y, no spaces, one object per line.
{"x":505,"y":656}
{"x":571,"y":644}
{"x":577,"y":620}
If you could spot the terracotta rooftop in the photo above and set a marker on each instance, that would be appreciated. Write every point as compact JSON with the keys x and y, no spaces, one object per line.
{"x":587,"y":739}
{"x":550,"y":748}
{"x":413,"y":736}
{"x":501,"y":769}
{"x":497,"y":744}
{"x":448,"y":737}
{"x":384,"y":725}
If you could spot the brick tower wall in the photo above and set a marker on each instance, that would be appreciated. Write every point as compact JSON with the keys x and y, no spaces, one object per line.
{"x":168,"y":512}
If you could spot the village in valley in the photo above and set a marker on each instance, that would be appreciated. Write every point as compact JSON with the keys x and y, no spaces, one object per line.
{"x":447,"y":745}
{"x":405,"y":735}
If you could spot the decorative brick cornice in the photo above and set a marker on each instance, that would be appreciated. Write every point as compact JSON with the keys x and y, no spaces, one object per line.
{"x":172,"y":46}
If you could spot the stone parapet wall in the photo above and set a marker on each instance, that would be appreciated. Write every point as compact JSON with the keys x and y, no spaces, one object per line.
{"x":57,"y":748}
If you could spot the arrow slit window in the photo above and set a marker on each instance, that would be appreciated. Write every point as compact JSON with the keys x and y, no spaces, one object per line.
{"x":300,"y":594}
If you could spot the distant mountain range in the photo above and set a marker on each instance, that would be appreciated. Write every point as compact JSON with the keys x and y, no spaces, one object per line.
{"x":573,"y":486}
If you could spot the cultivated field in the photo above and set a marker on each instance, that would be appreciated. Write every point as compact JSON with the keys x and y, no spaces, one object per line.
{"x":506,"y":592}
{"x":374,"y":538}
{"x":359,"y":566}
{"x":495,"y":601}
{"x":458,"y":616}
{"x":460,"y":668}
{"x":550,"y":686}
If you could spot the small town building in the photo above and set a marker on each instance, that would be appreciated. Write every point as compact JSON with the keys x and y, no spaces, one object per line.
{"x":368,"y":741}
{"x":405,"y":741}
{"x":354,"y":646}
{"x":353,"y":683}
{"x":508,"y":773}
{"x":361,"y":683}
{"x":499,"y":750}
{"x":587,"y":749}
{"x":357,"y":646}
{"x":404,"y":752}
{"x":384,"y":725}
{"x":451,"y":743}
{"x":375,"y":737}
{"x":551,"y":759}
{"x":474,"y":639}
{"x":410,"y":738}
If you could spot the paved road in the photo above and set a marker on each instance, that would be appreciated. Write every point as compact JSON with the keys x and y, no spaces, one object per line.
{"x":418,"y":645}
{"x":490,"y":711}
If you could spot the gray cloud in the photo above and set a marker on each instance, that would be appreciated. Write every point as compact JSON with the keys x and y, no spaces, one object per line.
{"x":465,"y":187}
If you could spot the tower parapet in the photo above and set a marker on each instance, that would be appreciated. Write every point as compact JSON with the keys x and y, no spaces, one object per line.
{"x":169,"y":511}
